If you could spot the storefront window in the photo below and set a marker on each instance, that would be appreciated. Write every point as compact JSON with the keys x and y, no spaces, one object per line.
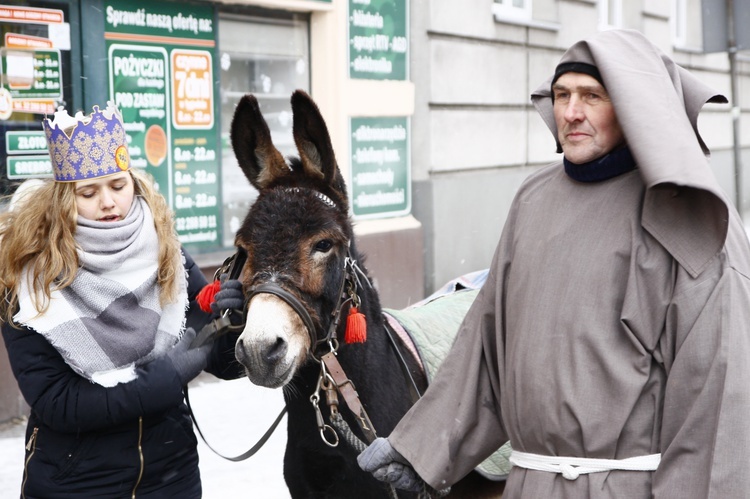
{"x":270,"y":58}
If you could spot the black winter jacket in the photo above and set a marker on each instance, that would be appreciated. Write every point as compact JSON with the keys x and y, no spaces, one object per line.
{"x":131,"y":440}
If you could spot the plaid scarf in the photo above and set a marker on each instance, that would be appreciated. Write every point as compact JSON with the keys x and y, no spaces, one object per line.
{"x":110,"y":320}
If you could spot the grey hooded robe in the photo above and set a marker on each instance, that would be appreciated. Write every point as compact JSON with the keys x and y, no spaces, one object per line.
{"x":616,"y":318}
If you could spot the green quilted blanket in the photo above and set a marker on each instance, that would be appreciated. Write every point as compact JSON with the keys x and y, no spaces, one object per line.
{"x":433,"y":327}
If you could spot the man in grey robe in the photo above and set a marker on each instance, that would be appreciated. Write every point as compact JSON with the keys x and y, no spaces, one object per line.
{"x":611,"y":342}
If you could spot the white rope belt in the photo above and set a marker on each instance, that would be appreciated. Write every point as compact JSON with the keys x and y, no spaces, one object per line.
{"x":572,"y":467}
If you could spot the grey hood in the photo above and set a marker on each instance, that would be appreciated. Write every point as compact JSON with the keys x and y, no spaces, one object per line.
{"x":657,"y":104}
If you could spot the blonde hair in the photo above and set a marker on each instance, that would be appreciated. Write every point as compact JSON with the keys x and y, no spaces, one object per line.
{"x":40,"y":236}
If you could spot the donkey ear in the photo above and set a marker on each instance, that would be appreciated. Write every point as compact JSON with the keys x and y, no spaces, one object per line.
{"x":260,"y":161}
{"x":313,"y":141}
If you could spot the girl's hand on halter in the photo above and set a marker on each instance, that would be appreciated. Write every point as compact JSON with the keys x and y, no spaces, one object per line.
{"x":387,"y":465}
{"x":229,"y":297}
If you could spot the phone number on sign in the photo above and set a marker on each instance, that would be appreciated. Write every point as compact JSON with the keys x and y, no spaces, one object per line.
{"x":197,"y":222}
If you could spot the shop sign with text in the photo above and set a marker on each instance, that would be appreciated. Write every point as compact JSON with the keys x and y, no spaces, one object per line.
{"x":27,"y":155}
{"x":32,"y":74}
{"x":378,"y":39}
{"x":161,"y":76}
{"x":381,"y":172}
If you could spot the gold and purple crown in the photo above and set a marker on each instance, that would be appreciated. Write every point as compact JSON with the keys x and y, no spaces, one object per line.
{"x":86,"y":147}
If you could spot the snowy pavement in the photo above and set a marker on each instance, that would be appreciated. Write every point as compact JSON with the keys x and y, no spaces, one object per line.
{"x":232,"y":415}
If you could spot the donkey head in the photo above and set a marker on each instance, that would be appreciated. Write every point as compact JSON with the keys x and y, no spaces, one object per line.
{"x":296,"y":236}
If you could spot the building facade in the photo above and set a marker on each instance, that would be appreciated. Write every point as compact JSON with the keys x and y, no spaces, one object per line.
{"x":427,"y":103}
{"x":177,"y":69}
{"x":475,"y":134}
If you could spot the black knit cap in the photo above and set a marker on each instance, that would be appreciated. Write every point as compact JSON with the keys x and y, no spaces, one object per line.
{"x":577,"y":67}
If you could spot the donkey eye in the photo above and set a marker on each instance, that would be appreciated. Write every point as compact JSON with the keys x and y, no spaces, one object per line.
{"x":323,"y":246}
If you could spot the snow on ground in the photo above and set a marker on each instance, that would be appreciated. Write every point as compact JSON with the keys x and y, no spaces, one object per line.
{"x":232,"y":414}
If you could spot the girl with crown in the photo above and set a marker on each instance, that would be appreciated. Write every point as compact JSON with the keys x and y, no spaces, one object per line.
{"x":97,"y":296}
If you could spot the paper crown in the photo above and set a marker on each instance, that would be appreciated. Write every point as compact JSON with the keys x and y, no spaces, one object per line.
{"x":86,"y":147}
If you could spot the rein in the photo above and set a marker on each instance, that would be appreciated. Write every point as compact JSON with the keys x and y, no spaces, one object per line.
{"x":248,"y":453}
{"x":332,"y":379}
{"x":220,"y":326}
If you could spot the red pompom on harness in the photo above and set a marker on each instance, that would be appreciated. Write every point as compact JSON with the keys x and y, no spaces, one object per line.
{"x":356,"y":327}
{"x":206,"y":296}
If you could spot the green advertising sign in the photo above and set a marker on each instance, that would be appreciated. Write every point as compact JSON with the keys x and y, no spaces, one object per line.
{"x":32,"y":74}
{"x":23,"y":167}
{"x":20,"y":145}
{"x":25,"y":142}
{"x":137,"y":80}
{"x":381,"y":167}
{"x":168,"y":19}
{"x":161,"y":75}
{"x":378,"y":40}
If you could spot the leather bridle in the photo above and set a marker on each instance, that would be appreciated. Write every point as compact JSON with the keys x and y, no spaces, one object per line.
{"x":323,"y":347}
{"x":347,"y":295}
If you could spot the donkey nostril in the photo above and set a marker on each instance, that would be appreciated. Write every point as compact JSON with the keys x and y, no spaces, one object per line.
{"x":275,"y":352}
{"x":240,"y":353}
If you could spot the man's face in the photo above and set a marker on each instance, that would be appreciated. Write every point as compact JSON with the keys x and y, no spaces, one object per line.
{"x":587,"y":127}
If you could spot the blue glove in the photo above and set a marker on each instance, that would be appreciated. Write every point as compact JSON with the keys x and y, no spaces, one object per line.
{"x":189,"y":362}
{"x":229,"y":297}
{"x":387,"y":465}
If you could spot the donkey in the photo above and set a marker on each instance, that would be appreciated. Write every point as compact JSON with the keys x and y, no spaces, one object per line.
{"x":302,"y":272}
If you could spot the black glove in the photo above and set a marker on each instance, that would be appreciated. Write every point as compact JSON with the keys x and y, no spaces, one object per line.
{"x":189,"y":362}
{"x":387,"y":465}
{"x":229,"y":297}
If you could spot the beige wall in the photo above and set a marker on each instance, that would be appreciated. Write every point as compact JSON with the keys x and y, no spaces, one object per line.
{"x":393,"y":246}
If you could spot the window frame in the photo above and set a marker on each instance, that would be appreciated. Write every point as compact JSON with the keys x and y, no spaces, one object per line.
{"x":504,"y":9}
{"x":678,"y":23}
{"x":610,"y":9}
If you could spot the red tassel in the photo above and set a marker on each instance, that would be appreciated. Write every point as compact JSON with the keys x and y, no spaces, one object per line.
{"x":206,"y":296}
{"x":356,"y":327}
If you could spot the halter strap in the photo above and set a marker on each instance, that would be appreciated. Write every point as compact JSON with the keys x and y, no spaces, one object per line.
{"x":290,"y":299}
